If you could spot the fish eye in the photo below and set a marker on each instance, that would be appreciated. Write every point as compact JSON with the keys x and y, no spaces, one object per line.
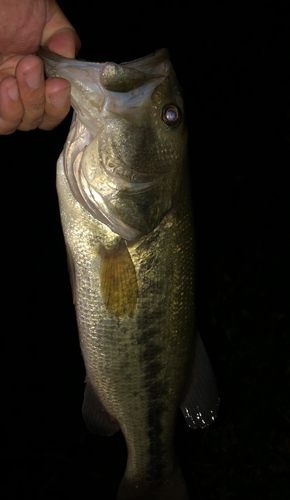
{"x":171,"y":115}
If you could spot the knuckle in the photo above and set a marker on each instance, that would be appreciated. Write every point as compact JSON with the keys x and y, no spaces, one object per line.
{"x":33,"y":115}
{"x":33,"y":100}
{"x":36,"y":105}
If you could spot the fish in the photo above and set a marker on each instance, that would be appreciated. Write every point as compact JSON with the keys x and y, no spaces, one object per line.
{"x":125,"y":204}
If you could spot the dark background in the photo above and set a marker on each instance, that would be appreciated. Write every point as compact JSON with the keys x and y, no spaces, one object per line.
{"x":233,"y":64}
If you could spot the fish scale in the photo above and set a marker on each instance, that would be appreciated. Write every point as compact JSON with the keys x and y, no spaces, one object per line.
{"x":130,"y":247}
{"x":115,"y":348}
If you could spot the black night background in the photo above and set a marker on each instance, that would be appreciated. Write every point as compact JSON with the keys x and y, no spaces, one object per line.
{"x":232,"y":62}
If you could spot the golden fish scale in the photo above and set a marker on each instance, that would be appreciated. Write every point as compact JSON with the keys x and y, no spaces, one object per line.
{"x":137,"y":365}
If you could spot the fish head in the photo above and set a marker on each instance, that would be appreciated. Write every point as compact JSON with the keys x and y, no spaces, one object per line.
{"x":126,"y":151}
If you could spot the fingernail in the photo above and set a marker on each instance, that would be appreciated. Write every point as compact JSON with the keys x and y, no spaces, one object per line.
{"x":34,"y":76}
{"x":13,"y":91}
{"x":59,"y":98}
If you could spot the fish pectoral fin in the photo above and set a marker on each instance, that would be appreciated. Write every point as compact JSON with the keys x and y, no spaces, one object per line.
{"x":118,"y":280}
{"x":96,"y":417}
{"x":201,"y":403}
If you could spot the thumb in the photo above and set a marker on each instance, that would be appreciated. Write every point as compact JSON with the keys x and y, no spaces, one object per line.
{"x":64,"y":42}
{"x":58,"y":33}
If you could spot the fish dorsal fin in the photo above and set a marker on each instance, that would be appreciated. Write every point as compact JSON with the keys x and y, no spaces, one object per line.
{"x":201,"y":403}
{"x":96,"y":417}
{"x":118,"y":281}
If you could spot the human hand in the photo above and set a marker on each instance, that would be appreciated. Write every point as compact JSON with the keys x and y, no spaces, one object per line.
{"x":27,"y":100}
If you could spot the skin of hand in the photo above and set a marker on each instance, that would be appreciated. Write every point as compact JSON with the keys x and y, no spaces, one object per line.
{"x":27,"y":100}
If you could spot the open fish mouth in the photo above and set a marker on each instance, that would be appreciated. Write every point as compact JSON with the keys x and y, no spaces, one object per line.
{"x":121,"y":159}
{"x":116,"y":87}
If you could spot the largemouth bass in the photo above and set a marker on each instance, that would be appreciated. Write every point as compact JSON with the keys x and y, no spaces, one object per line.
{"x":124,"y":197}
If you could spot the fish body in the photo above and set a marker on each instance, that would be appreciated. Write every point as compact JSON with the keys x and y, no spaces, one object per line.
{"x":124,"y":197}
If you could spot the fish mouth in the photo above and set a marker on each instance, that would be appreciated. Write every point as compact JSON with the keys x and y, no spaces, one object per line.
{"x":120,"y":88}
{"x":111,"y":102}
